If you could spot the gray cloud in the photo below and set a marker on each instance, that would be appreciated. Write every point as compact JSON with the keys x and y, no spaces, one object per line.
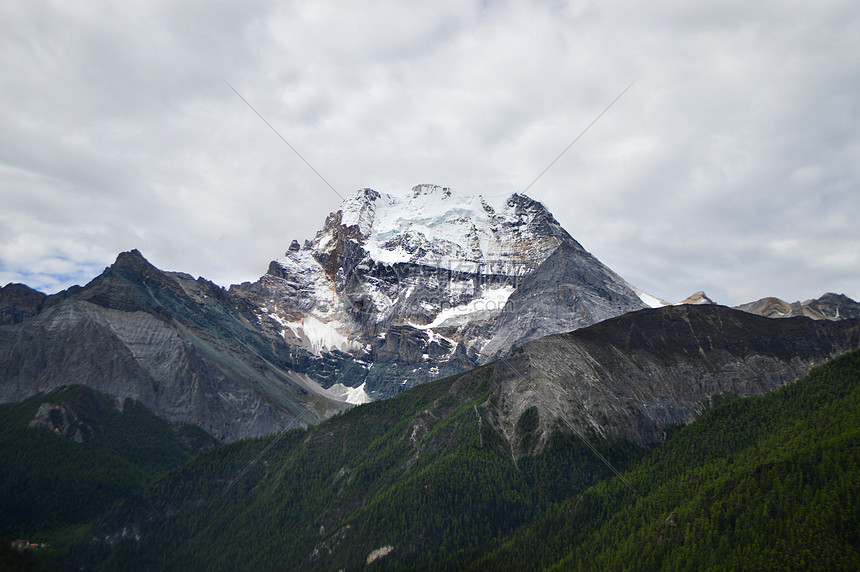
{"x":731,"y":166}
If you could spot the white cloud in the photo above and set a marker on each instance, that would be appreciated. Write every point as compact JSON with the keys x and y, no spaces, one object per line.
{"x":730,"y":166}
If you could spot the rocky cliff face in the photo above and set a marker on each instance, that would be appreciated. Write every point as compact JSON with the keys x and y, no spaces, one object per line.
{"x":19,"y":302}
{"x":186,"y":349}
{"x":570,"y":290}
{"x":630,"y":377}
{"x":828,"y":307}
{"x":449,"y":280}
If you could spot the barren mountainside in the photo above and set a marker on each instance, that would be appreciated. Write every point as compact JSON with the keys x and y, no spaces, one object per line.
{"x":633,"y":376}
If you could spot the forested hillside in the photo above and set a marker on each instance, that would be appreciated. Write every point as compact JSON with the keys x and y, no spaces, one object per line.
{"x":424,"y":473}
{"x":759,"y":483}
{"x":67,"y":456}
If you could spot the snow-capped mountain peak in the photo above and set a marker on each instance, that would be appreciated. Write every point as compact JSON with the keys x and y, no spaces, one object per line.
{"x":433,"y":225}
{"x":446,"y":278}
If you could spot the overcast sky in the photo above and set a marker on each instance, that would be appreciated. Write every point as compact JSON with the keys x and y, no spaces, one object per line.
{"x":732,"y":165}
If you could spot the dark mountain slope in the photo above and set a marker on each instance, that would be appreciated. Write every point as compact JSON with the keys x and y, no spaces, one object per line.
{"x":423,"y":472}
{"x":19,"y":302}
{"x":67,"y":456}
{"x":186,"y":349}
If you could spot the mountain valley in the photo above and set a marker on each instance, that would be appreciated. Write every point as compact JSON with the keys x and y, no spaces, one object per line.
{"x":432,"y":474}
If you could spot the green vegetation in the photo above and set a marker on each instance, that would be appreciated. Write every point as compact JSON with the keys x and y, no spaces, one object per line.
{"x":426,"y":472}
{"x":57,"y":478}
{"x":760,"y":483}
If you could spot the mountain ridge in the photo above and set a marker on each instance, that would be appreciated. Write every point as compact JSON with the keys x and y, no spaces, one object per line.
{"x":633,"y":376}
{"x":185,"y":348}
{"x":829,"y":306}
{"x":457,"y":281}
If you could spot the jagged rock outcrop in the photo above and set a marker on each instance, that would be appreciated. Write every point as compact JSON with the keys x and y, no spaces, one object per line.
{"x":830,"y":306}
{"x":19,"y":302}
{"x":60,"y":419}
{"x":186,"y":349}
{"x":457,"y":279}
{"x":630,"y":377}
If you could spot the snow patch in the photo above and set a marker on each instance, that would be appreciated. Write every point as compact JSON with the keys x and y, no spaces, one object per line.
{"x":353,"y":395}
{"x":487,"y":306}
{"x":435,"y":337}
{"x":650,"y":300}
{"x":319,"y":336}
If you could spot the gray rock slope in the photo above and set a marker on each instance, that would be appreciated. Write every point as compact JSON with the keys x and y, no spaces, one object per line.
{"x":633,"y":376}
{"x":184,"y":348}
{"x":571,"y":289}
